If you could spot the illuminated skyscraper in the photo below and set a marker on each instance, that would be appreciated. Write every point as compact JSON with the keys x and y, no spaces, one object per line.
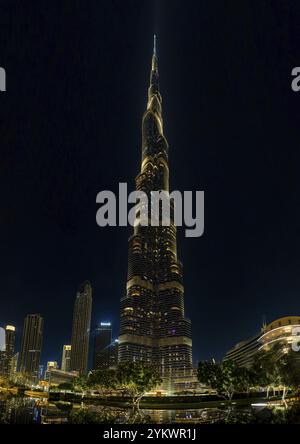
{"x":102,"y":342}
{"x":10,"y":338}
{"x":153,"y":327}
{"x":31,"y":344}
{"x":66,"y":357}
{"x":81,"y":329}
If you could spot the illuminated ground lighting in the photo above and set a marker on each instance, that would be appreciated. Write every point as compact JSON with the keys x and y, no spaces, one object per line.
{"x":259,"y":404}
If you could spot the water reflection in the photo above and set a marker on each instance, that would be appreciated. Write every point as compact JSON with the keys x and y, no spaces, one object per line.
{"x":24,"y":410}
{"x":20,"y":410}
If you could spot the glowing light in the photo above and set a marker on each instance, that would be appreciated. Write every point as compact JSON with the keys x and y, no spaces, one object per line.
{"x":10,"y":327}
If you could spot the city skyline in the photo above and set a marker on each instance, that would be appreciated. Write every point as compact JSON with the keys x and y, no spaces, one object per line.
{"x":228,"y":123}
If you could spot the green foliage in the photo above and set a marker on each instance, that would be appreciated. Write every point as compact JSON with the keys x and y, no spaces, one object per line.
{"x":136,"y":378}
{"x":80,"y":384}
{"x":65,"y":386}
{"x":103,"y":381}
{"x":64,"y":406}
{"x":225,"y":377}
{"x":275,"y":368}
{"x":87,"y":416}
{"x":132,"y":378}
{"x":287,"y":415}
{"x":289,"y":370}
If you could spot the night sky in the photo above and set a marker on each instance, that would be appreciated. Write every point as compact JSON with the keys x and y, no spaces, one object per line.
{"x":77,"y":78}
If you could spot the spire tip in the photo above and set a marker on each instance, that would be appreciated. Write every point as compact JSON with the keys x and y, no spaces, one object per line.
{"x":154,"y":44}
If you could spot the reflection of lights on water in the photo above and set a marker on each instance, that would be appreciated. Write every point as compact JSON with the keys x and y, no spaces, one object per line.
{"x":35,"y":414}
{"x":259,"y":404}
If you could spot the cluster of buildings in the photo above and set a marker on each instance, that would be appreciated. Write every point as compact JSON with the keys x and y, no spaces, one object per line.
{"x":26,"y":364}
{"x":153,"y":325}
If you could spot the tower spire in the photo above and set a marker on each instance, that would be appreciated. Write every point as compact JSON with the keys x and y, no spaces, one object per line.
{"x":154,"y":45}
{"x":154,"y":56}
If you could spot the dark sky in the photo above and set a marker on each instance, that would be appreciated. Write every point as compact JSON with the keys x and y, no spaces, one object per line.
{"x":77,"y":78}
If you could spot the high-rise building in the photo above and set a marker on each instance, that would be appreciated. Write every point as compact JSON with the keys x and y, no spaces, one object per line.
{"x":3,"y":360}
{"x":102,"y":342}
{"x":66,"y":357}
{"x":10,"y":338}
{"x":153,"y":325}
{"x":31,"y":346}
{"x":81,"y":329}
{"x":113,"y":354}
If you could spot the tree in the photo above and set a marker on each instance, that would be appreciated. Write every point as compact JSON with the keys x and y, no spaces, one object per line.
{"x":23,"y":379}
{"x":262,"y":371}
{"x":65,"y":386}
{"x":80,"y":384}
{"x":136,"y":378}
{"x":277,"y":368}
{"x":225,"y":377}
{"x":104,"y":381}
{"x":288,"y":366}
{"x":88,"y":416}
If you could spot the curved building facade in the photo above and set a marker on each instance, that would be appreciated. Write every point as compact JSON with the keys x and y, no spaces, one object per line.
{"x":153,"y":325}
{"x":281,"y":331}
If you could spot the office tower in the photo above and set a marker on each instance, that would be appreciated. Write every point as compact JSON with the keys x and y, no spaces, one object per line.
{"x":31,"y":346}
{"x":153,"y":326}
{"x":102,"y":342}
{"x":66,"y":357}
{"x":81,"y":329}
{"x":10,"y":338}
{"x":113,"y":354}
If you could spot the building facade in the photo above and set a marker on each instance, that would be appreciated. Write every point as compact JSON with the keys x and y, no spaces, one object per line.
{"x":66,"y":358}
{"x":153,"y":326}
{"x":281,"y":331}
{"x":57,"y":377}
{"x":10,"y":339}
{"x":102,"y":342}
{"x":31,"y":346}
{"x":81,"y":329}
{"x":243,"y":353}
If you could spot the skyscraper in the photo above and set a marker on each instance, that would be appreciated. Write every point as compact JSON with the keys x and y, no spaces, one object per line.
{"x":102,"y":342}
{"x":81,"y":329}
{"x":31,"y":344}
{"x":66,"y":357}
{"x":153,"y":326}
{"x":3,"y":360}
{"x":10,"y":338}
